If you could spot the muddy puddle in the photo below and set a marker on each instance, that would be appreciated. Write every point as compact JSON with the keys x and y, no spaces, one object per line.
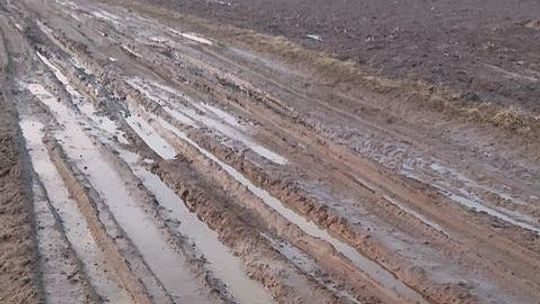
{"x":102,"y":122}
{"x":370,"y":268}
{"x":54,"y":253}
{"x":58,"y":74}
{"x":415,"y":214}
{"x":308,"y":266}
{"x":473,"y":202}
{"x":104,"y":15}
{"x":149,"y":136}
{"x":73,"y":222}
{"x":169,"y":267}
{"x":79,"y":100}
{"x":192,"y":36}
{"x":197,"y":114}
{"x":131,"y":51}
{"x":222,"y":262}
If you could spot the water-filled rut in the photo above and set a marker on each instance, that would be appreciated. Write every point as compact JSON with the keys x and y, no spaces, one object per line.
{"x":167,"y":265}
{"x":367,"y":266}
{"x":74,"y":225}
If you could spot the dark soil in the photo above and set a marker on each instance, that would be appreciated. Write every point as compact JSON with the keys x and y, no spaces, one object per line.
{"x":484,"y":50}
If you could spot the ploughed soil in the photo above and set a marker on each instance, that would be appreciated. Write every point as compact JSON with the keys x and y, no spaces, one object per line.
{"x":485,"y":51}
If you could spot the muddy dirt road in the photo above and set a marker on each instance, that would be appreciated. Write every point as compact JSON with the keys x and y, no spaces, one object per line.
{"x":154,"y":157}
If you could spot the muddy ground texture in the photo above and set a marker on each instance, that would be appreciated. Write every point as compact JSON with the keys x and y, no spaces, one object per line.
{"x":151,"y":156}
{"x":486,"y":51}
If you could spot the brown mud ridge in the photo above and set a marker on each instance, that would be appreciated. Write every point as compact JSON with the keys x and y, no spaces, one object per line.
{"x":147,"y":160}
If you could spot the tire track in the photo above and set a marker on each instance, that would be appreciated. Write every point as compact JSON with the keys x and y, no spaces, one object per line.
{"x":92,"y":261}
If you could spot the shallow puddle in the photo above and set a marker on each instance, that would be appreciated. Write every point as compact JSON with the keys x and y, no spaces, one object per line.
{"x":102,"y":122}
{"x":150,"y":137}
{"x":308,"y":266}
{"x":192,"y":37}
{"x":415,"y":214}
{"x":222,"y":262}
{"x":54,"y":264}
{"x":223,"y":115}
{"x":372,"y":269}
{"x":79,"y":101}
{"x":131,"y":51}
{"x":101,"y":14}
{"x":73,"y":222}
{"x":471,"y":201}
{"x":167,"y":265}
{"x":203,"y":114}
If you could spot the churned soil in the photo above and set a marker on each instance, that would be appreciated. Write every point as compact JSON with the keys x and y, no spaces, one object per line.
{"x":18,"y":267}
